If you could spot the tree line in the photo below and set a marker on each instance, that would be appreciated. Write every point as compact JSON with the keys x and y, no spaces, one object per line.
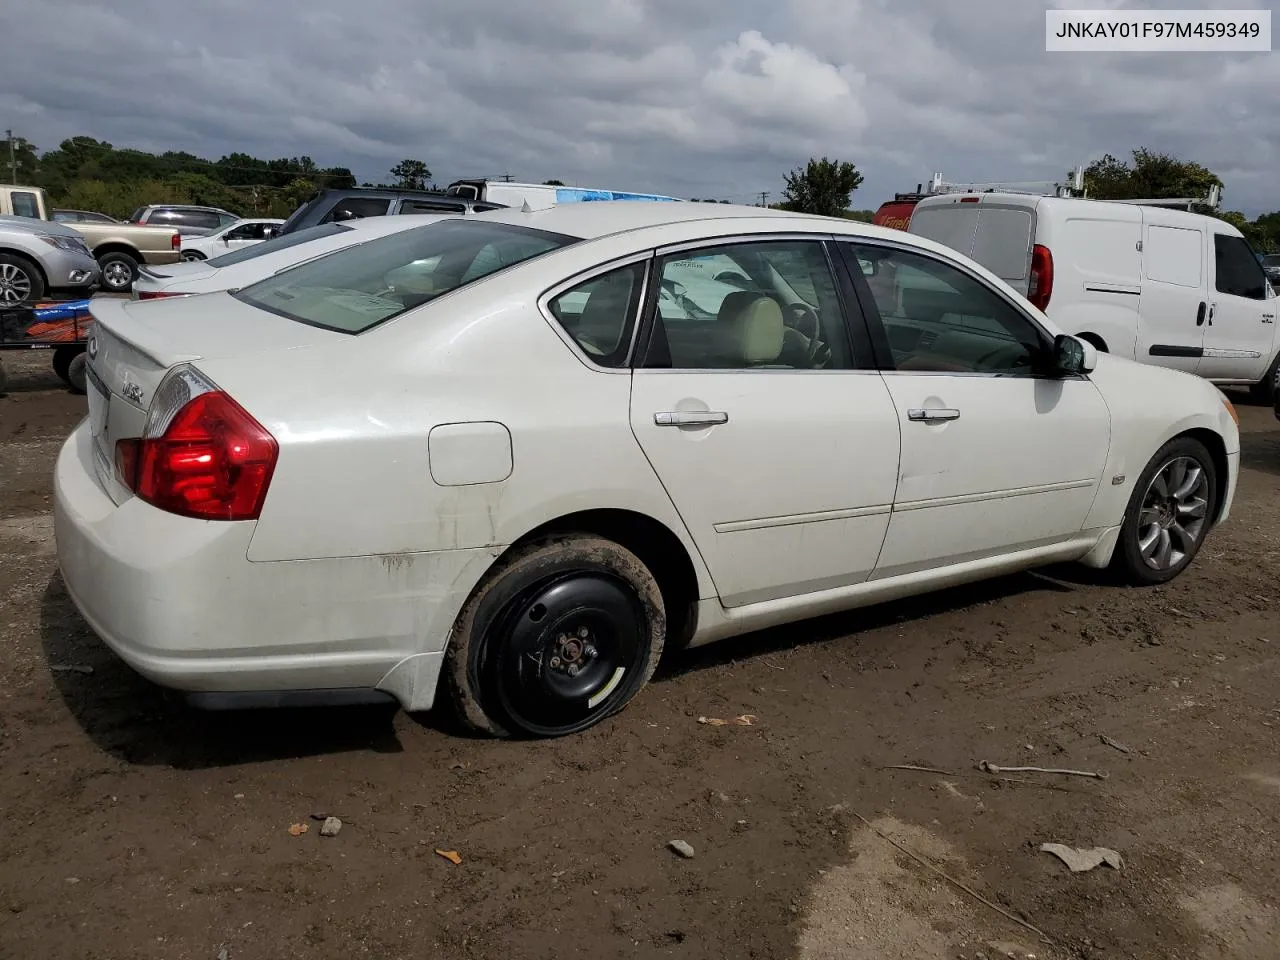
{"x":825,"y":187}
{"x":89,"y":174}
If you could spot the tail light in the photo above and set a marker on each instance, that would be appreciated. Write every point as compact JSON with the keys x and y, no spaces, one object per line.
{"x":201,"y":454}
{"x":1040,"y":286}
{"x":175,"y":241}
{"x":158,"y":294}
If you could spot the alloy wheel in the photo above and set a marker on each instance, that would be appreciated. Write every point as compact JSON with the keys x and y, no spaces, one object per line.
{"x":1174,"y":513}
{"x":15,"y":283}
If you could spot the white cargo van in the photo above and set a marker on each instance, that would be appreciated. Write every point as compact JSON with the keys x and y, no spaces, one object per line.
{"x":539,"y":196}
{"x":1161,"y":286}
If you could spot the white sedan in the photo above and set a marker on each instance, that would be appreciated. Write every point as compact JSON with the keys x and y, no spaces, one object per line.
{"x":234,"y":236}
{"x":239,"y":268}
{"x":507,"y":478}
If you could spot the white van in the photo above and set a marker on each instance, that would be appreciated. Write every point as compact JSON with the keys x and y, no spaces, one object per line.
{"x":539,"y":196}
{"x":1160,"y":286}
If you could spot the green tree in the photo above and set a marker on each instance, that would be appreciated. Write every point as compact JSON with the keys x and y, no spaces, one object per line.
{"x":1150,"y":175}
{"x":553,"y":183}
{"x":821,"y":187}
{"x":411,"y":174}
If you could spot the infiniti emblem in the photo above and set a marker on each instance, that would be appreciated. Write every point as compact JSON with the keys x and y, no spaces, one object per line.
{"x":93,"y":348}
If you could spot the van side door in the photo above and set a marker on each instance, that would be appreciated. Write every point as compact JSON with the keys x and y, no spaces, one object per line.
{"x":1174,"y":312}
{"x":1240,"y":331}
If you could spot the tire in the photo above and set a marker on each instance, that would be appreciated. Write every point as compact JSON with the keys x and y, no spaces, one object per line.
{"x":20,"y":281}
{"x":119,"y":271}
{"x":193,"y":256}
{"x":62,"y":358}
{"x":1192,"y":514}
{"x":76,"y":372}
{"x":559,"y":636}
{"x":1266,"y":389}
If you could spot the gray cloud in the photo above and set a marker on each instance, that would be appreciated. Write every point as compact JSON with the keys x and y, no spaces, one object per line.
{"x":717,"y":98}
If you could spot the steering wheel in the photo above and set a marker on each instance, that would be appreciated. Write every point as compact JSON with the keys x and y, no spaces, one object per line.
{"x":802,"y":313}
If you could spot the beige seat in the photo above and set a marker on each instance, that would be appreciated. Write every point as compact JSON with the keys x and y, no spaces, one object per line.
{"x":754,"y":324}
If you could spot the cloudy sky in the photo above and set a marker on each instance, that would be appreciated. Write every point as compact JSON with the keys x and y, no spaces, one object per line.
{"x":699,"y":98}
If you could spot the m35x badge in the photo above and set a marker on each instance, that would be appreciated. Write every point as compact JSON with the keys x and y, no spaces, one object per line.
{"x":131,"y":391}
{"x":92,"y":347}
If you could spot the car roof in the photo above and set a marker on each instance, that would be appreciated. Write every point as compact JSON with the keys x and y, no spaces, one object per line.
{"x":590,"y":220}
{"x":1083,"y":206}
{"x":393,"y":224}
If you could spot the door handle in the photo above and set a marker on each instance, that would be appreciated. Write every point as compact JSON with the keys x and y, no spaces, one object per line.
{"x":933,"y":414}
{"x":690,"y":418}
{"x":1200,"y":312}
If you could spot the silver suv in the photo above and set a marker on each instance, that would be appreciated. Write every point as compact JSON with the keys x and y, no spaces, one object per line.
{"x":39,"y":258}
{"x":190,"y":221}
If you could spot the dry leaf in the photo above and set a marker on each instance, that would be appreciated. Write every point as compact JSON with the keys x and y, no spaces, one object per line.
{"x":451,"y":856}
{"x":1080,"y":860}
{"x":298,"y":829}
{"x":746,"y":720}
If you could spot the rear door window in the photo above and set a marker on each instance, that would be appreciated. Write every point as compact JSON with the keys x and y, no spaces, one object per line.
{"x":25,"y":204}
{"x":953,"y":224}
{"x":1003,"y":242}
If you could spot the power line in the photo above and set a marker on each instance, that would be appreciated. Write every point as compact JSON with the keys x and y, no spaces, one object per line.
{"x":764,"y":198}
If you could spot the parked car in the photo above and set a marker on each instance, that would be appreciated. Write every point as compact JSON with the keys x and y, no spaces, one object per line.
{"x":539,"y":196}
{"x":82,"y":216}
{"x":118,"y":247}
{"x":39,"y":259}
{"x":511,"y":483}
{"x":187,"y":219}
{"x":1271,"y":267}
{"x":234,"y":236}
{"x":329,"y":206}
{"x":242,"y":267}
{"x":1161,"y":286}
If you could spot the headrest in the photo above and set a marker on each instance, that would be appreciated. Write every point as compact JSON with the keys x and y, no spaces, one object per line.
{"x":759,"y":329}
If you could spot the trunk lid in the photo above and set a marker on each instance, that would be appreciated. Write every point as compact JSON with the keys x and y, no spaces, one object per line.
{"x":135,"y":343}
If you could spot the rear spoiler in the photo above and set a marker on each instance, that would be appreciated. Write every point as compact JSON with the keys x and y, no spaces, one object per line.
{"x":114,"y":316}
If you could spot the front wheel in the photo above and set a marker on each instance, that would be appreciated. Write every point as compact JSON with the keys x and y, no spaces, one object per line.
{"x":119,"y":270}
{"x":1267,"y":389}
{"x":561,"y":635}
{"x":1169,"y":514}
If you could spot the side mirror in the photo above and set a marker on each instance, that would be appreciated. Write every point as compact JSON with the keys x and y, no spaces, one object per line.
{"x":1073,"y":356}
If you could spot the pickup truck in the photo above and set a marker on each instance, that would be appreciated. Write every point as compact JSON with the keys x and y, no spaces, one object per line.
{"x":118,"y":247}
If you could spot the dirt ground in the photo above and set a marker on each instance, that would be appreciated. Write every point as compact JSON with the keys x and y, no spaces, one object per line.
{"x":135,"y":827}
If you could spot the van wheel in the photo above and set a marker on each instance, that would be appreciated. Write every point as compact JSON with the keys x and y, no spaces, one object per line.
{"x":1169,"y":514}
{"x":1265,"y":390}
{"x":559,"y":636}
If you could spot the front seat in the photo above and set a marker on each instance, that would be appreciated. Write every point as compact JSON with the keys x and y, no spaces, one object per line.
{"x":754,"y":324}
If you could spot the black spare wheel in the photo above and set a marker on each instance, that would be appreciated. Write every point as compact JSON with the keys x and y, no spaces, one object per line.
{"x":561,"y":634}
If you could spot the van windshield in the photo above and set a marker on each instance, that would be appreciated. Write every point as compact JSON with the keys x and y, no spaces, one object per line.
{"x":276,"y":244}
{"x":355,"y":289}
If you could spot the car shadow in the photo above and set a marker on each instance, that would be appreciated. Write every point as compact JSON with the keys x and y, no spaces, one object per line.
{"x":1062,"y":579}
{"x":140,"y":723}
{"x":1261,"y":451}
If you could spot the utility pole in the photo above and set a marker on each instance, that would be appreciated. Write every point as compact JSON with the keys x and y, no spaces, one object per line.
{"x":764,"y":198}
{"x":13,"y":160}
{"x":506,"y":178}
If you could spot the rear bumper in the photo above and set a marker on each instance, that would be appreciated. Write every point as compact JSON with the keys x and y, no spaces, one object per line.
{"x":178,"y":600}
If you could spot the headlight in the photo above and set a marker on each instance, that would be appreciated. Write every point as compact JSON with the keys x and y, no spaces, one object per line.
{"x":73,"y":244}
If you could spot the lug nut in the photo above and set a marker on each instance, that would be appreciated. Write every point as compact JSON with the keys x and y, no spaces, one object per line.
{"x":590,"y":652}
{"x":583,"y":632}
{"x":555,"y":663}
{"x":573,"y":669}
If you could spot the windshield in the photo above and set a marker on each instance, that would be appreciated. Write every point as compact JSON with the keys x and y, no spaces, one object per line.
{"x":360,"y":287}
{"x":278,"y":243}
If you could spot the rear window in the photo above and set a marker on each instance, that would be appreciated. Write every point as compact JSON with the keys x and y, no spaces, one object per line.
{"x":1003,"y":244}
{"x":306,"y":235}
{"x":952,"y":225}
{"x":360,"y":287}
